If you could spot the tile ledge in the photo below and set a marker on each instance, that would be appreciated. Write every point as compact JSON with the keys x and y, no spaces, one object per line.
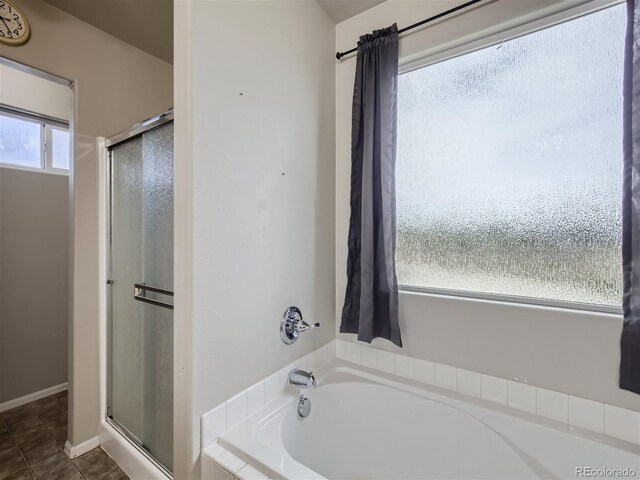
{"x":214,"y":451}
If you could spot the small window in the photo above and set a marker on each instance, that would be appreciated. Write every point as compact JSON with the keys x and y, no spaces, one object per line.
{"x":21,"y":142}
{"x":509,"y":167}
{"x":60,"y":148}
{"x":31,"y":142}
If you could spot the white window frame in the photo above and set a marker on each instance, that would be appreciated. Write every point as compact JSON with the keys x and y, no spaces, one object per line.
{"x":452,"y":50}
{"x":47,"y":124}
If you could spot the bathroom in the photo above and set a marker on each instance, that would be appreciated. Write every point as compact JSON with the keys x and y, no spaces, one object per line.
{"x":504,"y":357}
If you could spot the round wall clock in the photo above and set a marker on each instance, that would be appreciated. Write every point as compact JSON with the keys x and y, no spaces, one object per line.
{"x":14,"y":28}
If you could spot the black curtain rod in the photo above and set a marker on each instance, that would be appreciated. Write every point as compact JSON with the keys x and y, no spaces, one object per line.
{"x":339,"y":55}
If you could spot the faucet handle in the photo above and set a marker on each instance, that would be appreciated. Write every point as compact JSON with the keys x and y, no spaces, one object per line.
{"x":292,"y":324}
{"x":301,"y":325}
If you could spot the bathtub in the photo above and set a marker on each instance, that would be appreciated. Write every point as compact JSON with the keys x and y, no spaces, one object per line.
{"x":366,"y":424}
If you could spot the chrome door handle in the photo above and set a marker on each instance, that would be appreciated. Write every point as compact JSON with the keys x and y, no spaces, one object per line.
{"x":139,"y":290}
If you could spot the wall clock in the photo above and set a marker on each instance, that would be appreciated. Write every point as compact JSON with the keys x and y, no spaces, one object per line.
{"x":14,"y":27}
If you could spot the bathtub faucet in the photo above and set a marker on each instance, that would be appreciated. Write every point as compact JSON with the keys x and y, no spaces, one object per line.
{"x":292,"y":325}
{"x":301,"y":379}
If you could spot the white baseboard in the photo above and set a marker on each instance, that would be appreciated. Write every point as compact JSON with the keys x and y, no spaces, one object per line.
{"x":84,"y":447}
{"x":32,"y":397}
{"x":129,"y":458}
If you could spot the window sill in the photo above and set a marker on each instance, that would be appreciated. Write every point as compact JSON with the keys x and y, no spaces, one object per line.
{"x":51,"y":171}
{"x":512,"y":300}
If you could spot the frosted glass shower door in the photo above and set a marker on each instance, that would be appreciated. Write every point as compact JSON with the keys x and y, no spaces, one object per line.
{"x":140,"y":390}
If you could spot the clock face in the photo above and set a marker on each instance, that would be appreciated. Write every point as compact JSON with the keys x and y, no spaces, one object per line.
{"x":14,"y":28}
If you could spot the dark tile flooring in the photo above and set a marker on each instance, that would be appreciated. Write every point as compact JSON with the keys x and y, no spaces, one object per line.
{"x":32,"y":441}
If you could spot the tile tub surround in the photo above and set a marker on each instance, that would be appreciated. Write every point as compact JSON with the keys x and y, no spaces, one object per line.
{"x":226,"y":416}
{"x":616,"y":422}
{"x":281,"y":445}
{"x":577,"y":414}
{"x":217,"y":462}
{"x":32,"y":439}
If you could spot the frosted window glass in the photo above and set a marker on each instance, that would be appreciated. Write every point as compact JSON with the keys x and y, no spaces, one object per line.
{"x":60,"y":148}
{"x":509,"y":166}
{"x":20,"y":142}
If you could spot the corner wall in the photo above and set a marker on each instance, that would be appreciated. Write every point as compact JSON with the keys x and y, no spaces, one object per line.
{"x":116,"y":85}
{"x":255,"y":100}
{"x":564,"y":350}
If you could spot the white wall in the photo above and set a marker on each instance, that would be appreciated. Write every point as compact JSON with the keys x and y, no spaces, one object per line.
{"x":255,"y":139}
{"x":116,"y":85}
{"x":28,"y":92}
{"x":568,"y":351}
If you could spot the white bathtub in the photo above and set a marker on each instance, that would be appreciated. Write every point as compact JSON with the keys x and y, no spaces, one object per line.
{"x":365,"y":424}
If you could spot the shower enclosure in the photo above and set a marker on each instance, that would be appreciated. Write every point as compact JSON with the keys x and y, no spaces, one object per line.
{"x":140,"y":288}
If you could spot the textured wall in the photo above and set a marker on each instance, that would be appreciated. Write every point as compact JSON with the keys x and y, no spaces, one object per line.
{"x":262,"y":140}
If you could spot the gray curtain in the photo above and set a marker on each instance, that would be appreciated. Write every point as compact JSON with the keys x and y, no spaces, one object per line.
{"x":630,"y":340}
{"x":371,"y":299}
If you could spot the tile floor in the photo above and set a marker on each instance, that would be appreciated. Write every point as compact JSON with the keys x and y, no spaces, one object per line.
{"x":32,"y":440}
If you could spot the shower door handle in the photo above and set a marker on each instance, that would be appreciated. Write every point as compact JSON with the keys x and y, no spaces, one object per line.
{"x":139,"y":290}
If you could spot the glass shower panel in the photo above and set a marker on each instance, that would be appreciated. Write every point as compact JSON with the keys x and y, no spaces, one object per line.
{"x":126,"y":266}
{"x":141,"y":352}
{"x":157,"y":266}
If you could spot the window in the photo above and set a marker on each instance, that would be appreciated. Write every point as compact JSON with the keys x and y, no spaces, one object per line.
{"x":60,"y":148}
{"x":509,"y":167}
{"x":31,"y":142}
{"x":21,"y":142}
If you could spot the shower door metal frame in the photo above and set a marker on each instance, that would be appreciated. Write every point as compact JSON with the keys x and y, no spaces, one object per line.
{"x":120,"y":137}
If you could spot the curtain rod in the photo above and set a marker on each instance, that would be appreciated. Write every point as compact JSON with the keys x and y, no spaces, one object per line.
{"x":339,"y":55}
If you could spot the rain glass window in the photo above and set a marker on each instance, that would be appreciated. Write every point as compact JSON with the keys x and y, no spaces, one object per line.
{"x":509,"y":166}
{"x":30,"y":142}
